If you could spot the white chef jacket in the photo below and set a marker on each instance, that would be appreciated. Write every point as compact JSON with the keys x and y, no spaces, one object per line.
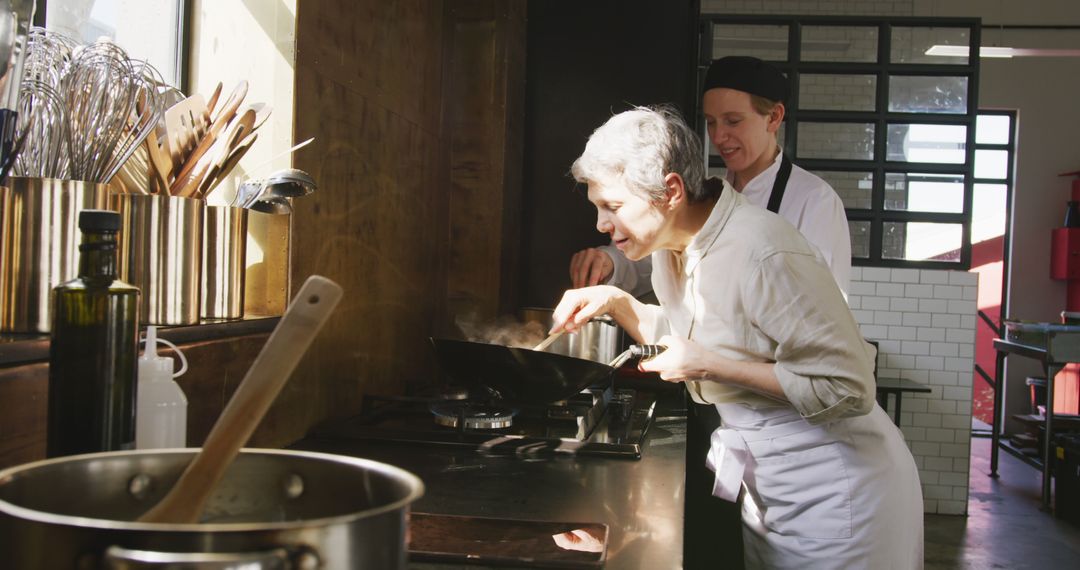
{"x":809,"y":204}
{"x":829,"y":480}
{"x":750,"y":287}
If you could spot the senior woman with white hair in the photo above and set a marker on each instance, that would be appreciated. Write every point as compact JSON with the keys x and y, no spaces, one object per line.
{"x":754,"y":324}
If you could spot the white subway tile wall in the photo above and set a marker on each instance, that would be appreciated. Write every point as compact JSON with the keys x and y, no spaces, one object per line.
{"x":810,"y":7}
{"x":924,"y":323}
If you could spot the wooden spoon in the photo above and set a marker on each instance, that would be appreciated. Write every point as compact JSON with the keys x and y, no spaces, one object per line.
{"x":221,"y":169}
{"x":221,"y":119}
{"x":211,"y":101}
{"x":279,"y":356}
{"x":240,"y":127}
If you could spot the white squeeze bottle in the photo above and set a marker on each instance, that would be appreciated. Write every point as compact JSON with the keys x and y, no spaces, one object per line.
{"x":161,"y":407}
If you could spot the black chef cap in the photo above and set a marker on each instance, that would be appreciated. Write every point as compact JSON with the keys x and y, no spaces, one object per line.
{"x":748,"y":74}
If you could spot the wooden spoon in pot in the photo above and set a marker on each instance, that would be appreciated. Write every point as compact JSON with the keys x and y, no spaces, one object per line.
{"x":279,"y":356}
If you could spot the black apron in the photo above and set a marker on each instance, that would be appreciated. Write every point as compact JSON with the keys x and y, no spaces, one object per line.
{"x":779,"y":185}
{"x":712,"y":533}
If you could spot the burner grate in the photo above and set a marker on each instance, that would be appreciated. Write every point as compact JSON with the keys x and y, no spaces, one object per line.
{"x":471,"y":415}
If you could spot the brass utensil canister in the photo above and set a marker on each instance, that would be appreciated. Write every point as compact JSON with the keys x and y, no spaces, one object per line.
{"x":223,"y":262}
{"x":161,"y":254}
{"x":41,"y":245}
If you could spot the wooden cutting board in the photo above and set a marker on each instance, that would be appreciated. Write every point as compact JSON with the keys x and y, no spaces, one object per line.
{"x":498,"y":542}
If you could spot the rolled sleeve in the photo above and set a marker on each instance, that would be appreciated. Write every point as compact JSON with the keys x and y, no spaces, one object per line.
{"x":822,"y":362}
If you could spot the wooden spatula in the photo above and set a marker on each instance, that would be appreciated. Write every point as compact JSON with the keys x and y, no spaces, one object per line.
{"x":290,"y":340}
{"x":221,"y":119}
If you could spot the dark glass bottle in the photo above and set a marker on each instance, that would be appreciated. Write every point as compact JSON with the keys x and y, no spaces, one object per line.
{"x":94,"y":348}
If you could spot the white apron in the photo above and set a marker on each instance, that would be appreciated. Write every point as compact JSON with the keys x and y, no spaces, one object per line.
{"x":842,"y":495}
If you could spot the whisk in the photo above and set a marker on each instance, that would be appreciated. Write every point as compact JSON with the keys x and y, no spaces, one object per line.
{"x":111,"y":108}
{"x":43,"y":122}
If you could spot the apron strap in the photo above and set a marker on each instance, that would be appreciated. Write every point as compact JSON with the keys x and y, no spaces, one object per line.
{"x":779,"y":185}
{"x":728,"y":458}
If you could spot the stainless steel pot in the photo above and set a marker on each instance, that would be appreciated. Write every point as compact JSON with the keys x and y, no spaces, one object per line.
{"x":273,"y":509}
{"x":600,"y":340}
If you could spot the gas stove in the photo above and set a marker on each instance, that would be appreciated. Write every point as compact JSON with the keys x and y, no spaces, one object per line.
{"x":600,"y":421}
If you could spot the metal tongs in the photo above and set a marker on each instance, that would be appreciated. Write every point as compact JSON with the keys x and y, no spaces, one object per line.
{"x":641,"y":351}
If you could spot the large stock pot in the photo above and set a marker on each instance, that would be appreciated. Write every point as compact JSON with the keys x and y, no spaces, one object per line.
{"x":273,"y":509}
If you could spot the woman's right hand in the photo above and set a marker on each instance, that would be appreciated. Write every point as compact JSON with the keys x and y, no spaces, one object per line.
{"x":579,"y":305}
{"x":590,"y":266}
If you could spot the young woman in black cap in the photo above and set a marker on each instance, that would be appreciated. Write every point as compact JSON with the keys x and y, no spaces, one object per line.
{"x":756,"y":327}
{"x":743,"y":102}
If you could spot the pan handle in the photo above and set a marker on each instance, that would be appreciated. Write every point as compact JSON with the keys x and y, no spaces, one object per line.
{"x":640,"y":351}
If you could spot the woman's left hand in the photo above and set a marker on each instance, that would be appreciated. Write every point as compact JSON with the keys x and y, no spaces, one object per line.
{"x":682,"y":360}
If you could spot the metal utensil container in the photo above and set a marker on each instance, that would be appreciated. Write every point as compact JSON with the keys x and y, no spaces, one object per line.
{"x":223,"y":262}
{"x":161,"y":254}
{"x":600,"y":340}
{"x":272,"y":509}
{"x":40,"y":245}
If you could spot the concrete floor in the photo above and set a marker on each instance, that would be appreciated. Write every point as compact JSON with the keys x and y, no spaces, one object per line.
{"x":1005,"y":526}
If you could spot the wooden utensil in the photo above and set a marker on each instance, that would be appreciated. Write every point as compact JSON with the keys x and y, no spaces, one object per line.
{"x":240,"y":127}
{"x":212,"y":100}
{"x":219,"y":172}
{"x":290,"y":340}
{"x":221,"y":119}
{"x":547,"y":341}
{"x":182,"y":122}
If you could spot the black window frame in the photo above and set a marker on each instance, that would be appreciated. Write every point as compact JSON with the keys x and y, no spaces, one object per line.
{"x":880,"y":117}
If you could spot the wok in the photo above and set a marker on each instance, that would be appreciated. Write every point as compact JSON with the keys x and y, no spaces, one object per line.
{"x":518,"y":374}
{"x":521,"y":374}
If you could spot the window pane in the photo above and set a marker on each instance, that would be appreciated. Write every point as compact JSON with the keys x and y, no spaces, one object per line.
{"x":922,"y":241}
{"x":764,"y":42}
{"x":909,"y":45}
{"x":991,"y":164}
{"x":927,"y":143}
{"x":915,"y":192}
{"x":919,"y":94}
{"x":993,"y":129}
{"x":854,"y":188}
{"x":860,"y":239}
{"x":853,"y":141}
{"x":988,"y":213}
{"x":839,"y":43}
{"x":832,"y":92}
{"x":146,"y":30}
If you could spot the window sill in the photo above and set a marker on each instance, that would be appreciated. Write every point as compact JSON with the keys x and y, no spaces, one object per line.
{"x":16,"y":349}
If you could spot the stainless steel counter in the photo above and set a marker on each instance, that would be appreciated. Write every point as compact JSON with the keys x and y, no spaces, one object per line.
{"x":641,"y":501}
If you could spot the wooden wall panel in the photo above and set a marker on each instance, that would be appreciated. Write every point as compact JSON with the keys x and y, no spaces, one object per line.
{"x":485,"y":87}
{"x":368,"y":88}
{"x":410,"y":104}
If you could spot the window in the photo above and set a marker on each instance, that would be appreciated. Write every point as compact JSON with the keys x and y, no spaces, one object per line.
{"x":150,"y":30}
{"x":890,"y":127}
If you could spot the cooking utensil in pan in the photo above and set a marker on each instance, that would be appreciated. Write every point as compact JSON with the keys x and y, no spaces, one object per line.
{"x":521,"y":374}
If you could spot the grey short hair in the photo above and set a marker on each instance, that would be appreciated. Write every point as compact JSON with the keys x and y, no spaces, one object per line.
{"x":640,"y":147}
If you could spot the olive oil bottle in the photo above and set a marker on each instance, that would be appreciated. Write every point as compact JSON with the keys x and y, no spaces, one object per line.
{"x":93,"y":350}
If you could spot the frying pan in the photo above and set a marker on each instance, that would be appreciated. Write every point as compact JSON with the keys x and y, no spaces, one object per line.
{"x":521,"y":374}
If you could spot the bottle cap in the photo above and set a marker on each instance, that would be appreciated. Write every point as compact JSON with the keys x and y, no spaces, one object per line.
{"x":99,"y":220}
{"x":152,"y":367}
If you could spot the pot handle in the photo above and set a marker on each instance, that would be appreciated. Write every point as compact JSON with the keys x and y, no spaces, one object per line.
{"x":120,"y":558}
{"x":641,"y":351}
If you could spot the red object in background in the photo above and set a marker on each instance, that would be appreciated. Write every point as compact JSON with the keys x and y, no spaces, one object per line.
{"x":1065,"y":266}
{"x":1065,"y":263}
